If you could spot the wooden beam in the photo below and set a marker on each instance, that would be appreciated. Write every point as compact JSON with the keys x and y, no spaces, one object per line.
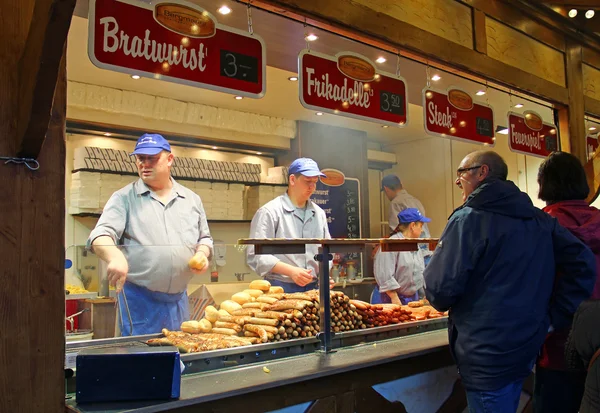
{"x":533,"y":26}
{"x":349,"y":18}
{"x":38,"y":70}
{"x":479,"y":32}
{"x":592,"y":106}
{"x":574,"y":76}
{"x":592,"y":4}
{"x":591,"y":57}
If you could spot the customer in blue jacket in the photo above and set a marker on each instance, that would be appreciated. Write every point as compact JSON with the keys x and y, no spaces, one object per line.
{"x":494,"y":269}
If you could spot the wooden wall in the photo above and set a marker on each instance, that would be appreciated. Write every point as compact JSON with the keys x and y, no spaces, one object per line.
{"x":520,"y":45}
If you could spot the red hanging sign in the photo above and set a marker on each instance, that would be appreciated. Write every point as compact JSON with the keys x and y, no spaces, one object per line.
{"x":530,"y":135}
{"x":348,"y":84}
{"x":454,"y":114}
{"x":592,"y":145}
{"x":178,"y":42}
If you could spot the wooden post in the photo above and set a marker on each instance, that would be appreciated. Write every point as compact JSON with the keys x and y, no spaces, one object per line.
{"x":33,"y":211}
{"x":576,"y":108}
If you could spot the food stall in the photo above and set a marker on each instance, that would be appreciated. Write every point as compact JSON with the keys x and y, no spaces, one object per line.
{"x":270,"y":342}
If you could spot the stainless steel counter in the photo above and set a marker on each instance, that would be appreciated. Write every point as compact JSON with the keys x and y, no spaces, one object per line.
{"x":228,"y":382}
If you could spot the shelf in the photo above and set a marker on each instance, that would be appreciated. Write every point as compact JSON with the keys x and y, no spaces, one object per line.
{"x":210,"y":221}
{"x":178,"y":178}
{"x":84,"y":296}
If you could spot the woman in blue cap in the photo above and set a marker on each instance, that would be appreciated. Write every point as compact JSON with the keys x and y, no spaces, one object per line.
{"x":399,"y":275}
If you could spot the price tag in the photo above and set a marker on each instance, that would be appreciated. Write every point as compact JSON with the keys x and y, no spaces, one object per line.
{"x":239,"y":66}
{"x":70,"y":360}
{"x":392,"y":103}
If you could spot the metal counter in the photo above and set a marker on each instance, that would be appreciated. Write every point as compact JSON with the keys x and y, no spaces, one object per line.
{"x":222,"y":374}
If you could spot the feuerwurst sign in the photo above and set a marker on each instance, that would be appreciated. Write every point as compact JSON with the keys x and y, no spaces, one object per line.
{"x":453,"y":114}
{"x":176,"y":41}
{"x":530,"y":135}
{"x":349,"y":85}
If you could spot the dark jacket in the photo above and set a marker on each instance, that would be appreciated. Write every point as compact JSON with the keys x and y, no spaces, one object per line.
{"x":494,"y":268}
{"x":582,"y":345}
{"x":583,"y":221}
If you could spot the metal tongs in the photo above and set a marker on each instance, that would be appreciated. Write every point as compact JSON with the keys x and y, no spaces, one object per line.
{"x":121,"y":295}
{"x":71,"y":318}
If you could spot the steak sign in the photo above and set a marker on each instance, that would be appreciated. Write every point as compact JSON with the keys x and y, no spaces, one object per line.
{"x":454,"y":114}
{"x":178,"y":42}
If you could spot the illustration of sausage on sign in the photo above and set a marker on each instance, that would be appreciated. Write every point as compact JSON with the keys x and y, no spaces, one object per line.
{"x":454,"y":114}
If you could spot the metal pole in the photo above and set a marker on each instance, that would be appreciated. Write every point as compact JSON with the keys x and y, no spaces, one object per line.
{"x":325,"y":334}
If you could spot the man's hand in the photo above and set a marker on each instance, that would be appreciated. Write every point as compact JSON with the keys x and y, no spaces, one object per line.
{"x":117,"y":271}
{"x":394,"y":297}
{"x":301,"y":276}
{"x":199,"y":263}
{"x":331,"y":283}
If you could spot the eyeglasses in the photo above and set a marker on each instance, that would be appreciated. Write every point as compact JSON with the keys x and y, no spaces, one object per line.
{"x":461,"y":171}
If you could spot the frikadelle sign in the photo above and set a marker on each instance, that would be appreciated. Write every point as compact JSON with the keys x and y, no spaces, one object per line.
{"x":348,"y":84}
{"x":176,"y":41}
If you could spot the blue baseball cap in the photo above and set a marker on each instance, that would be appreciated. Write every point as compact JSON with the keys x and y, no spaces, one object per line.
{"x":306,"y":167}
{"x":411,"y":215}
{"x":151,"y":144}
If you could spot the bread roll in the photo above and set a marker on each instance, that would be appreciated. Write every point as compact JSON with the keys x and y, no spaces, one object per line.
{"x":276,"y":290}
{"x":253,"y":293}
{"x":223,"y":313}
{"x":230,"y":306}
{"x":211,"y":314}
{"x":195,"y":327}
{"x":241,"y":298}
{"x":262,"y":285}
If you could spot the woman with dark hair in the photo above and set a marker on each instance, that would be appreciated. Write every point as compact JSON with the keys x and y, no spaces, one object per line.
{"x":564,"y":188}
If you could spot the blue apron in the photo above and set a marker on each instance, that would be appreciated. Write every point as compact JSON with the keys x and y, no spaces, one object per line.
{"x":150,"y":311}
{"x":382,"y":298}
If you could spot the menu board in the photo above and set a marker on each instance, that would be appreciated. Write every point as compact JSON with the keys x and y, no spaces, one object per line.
{"x":342,"y":205}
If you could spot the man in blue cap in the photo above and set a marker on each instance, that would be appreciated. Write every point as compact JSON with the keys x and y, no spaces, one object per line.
{"x":159,"y":226}
{"x":291,"y":215}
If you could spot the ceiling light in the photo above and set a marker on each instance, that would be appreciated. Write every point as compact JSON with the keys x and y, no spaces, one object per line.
{"x":311,"y":37}
{"x":110,"y":134}
{"x":572,"y":13}
{"x":238,"y":98}
{"x":385,"y":126}
{"x":319,"y":113}
{"x":589,"y":14}
{"x":136,"y":77}
{"x":519,"y":105}
{"x":502,"y":130}
{"x":259,"y":153}
{"x":293,"y":78}
{"x":480,"y":92}
{"x":224,"y":10}
{"x":215,"y":148}
{"x":381,"y":59}
{"x":435,"y":78}
{"x":592,"y":128}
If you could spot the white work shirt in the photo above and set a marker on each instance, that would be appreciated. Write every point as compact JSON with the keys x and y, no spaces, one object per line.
{"x":402,"y":201}
{"x":157,"y":239}
{"x":399,"y":271}
{"x":280,"y":218}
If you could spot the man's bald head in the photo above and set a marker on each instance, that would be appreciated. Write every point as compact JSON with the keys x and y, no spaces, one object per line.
{"x":498,"y":170}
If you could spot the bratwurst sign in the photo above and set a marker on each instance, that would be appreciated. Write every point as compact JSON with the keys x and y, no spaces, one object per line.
{"x":348,"y":84}
{"x":177,"y":42}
